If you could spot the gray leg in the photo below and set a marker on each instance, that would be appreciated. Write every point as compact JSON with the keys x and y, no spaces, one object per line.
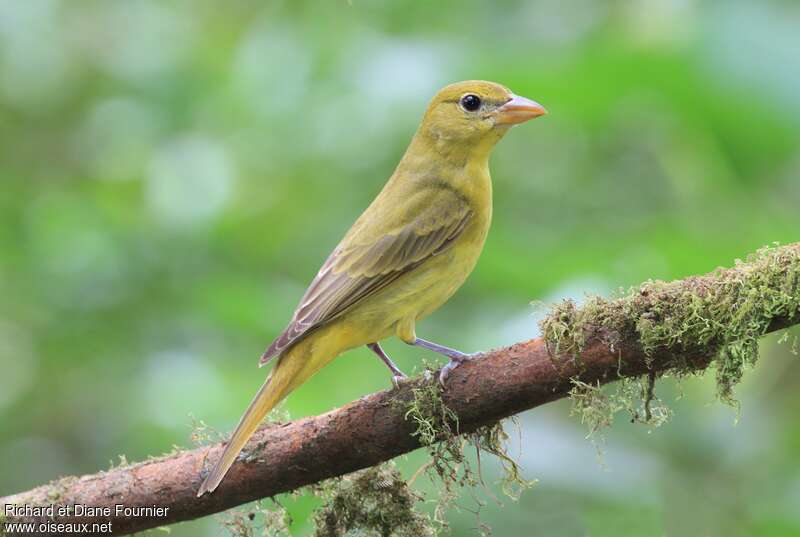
{"x":397,"y":375}
{"x":456,"y":357}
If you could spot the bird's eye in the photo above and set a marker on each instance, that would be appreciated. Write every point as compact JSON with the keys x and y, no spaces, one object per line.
{"x":470,"y":102}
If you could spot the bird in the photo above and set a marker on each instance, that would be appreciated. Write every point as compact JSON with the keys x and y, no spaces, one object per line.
{"x":404,"y":257}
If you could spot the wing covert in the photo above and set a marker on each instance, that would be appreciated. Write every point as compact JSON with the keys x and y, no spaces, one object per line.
{"x":362,"y":265}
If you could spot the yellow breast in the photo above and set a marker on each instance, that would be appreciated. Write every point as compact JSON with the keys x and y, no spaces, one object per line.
{"x":427,"y":287}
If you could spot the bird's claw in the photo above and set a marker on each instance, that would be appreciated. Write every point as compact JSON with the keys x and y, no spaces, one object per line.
{"x":398,"y":379}
{"x":454,"y":362}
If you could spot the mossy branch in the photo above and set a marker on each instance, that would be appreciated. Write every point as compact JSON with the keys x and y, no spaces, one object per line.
{"x":680,"y":326}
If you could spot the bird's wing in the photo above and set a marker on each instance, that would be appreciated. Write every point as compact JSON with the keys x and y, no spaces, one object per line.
{"x":365,"y":262}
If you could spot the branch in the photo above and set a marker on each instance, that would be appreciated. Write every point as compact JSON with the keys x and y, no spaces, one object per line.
{"x":659,"y":327}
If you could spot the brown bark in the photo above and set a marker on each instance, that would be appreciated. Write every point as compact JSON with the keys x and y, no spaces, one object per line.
{"x":373,"y":429}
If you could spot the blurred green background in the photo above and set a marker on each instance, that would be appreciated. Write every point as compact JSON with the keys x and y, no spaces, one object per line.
{"x":172,"y":174}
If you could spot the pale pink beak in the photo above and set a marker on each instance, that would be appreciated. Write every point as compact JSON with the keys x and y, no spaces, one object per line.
{"x":518,"y":110}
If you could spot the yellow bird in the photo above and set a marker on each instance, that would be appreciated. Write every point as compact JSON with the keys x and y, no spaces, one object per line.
{"x":404,"y":257}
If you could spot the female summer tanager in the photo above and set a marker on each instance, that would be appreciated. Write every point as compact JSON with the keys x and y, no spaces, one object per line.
{"x":404,"y":257}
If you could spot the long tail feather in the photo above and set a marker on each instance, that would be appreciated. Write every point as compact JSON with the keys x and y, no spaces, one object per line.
{"x":292,"y":369}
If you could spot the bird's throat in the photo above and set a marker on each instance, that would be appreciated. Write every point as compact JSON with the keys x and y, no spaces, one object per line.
{"x":464,"y":168}
{"x":428,"y":150}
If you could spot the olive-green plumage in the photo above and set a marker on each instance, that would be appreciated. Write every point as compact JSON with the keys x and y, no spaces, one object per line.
{"x":406,"y":254}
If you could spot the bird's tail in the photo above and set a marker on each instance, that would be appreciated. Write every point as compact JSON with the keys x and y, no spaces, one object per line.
{"x":293,"y":368}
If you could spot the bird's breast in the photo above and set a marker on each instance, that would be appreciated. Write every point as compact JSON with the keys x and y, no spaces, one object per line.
{"x":441,"y":276}
{"x":425,"y":288}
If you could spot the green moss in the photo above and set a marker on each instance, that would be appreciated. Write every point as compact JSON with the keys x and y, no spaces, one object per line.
{"x":433,"y":419}
{"x":723,"y":314}
{"x":203,"y":434}
{"x":257,"y":519}
{"x":373,"y":502}
{"x":438,"y":431}
{"x":493,"y":439}
{"x":122,"y":460}
{"x":57,"y":488}
{"x":597,"y":406}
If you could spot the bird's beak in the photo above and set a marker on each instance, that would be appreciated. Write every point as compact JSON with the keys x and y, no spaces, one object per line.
{"x":518,"y":110}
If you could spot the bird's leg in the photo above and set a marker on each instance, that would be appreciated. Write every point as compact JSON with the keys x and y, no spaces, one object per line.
{"x":456,"y":357}
{"x":397,"y":375}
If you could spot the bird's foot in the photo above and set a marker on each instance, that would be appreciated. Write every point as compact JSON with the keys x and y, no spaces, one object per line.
{"x":455,"y":361}
{"x":398,"y":378}
{"x":397,"y":375}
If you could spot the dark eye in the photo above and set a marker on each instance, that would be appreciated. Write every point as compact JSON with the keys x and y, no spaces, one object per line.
{"x":470,"y":102}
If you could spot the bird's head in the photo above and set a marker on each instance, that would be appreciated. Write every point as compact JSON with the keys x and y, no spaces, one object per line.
{"x":475,"y":113}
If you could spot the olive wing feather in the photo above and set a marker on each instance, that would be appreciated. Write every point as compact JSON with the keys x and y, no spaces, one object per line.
{"x":362,"y":265}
